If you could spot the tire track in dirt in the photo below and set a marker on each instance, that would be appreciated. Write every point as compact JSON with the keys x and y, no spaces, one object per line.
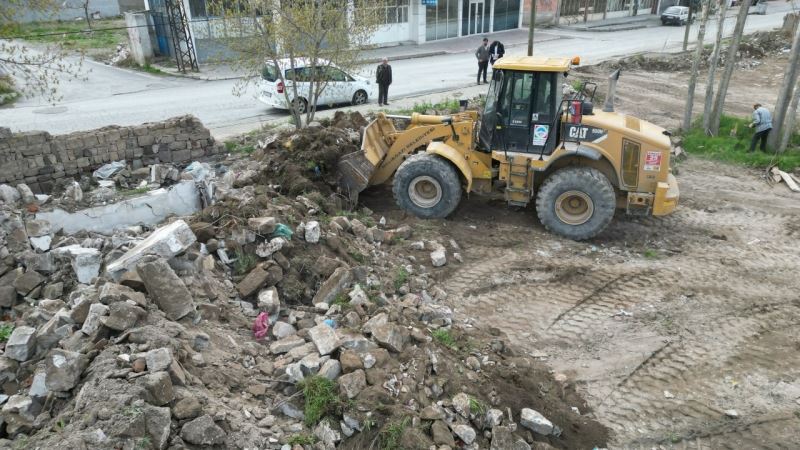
{"x":716,"y":306}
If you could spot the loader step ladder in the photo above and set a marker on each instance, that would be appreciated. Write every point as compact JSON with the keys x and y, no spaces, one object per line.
{"x":518,"y":185}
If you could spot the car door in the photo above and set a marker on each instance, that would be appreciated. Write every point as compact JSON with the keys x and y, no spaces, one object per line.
{"x":341,"y":85}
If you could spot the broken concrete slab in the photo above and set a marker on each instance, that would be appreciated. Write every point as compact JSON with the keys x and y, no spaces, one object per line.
{"x":158,"y":359}
{"x":86,"y":262}
{"x":389,"y":336}
{"x":9,"y":194}
{"x":123,"y":316}
{"x":166,"y":288}
{"x":152,"y":208}
{"x":166,"y":242}
{"x":8,"y":296}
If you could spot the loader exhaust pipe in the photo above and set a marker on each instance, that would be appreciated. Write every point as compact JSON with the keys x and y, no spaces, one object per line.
{"x":612,"y":89}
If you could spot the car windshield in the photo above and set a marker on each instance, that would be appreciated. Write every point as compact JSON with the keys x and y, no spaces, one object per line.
{"x":673,"y":10}
{"x":269,"y":73}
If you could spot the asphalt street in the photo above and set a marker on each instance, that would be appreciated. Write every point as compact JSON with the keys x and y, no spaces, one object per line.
{"x":113,"y":96}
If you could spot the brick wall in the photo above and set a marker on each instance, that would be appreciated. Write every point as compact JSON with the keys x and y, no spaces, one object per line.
{"x":38,"y":159}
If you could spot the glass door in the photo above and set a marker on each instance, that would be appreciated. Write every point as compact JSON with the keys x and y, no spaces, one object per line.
{"x":476,"y":16}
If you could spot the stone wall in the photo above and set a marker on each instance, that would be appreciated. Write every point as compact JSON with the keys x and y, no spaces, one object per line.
{"x":39,"y":159}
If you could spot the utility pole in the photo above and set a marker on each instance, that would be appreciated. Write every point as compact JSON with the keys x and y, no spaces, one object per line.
{"x":530,"y":28}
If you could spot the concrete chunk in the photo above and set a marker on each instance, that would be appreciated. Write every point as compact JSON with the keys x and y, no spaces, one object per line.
{"x":64,"y":369}
{"x":333,"y":286}
{"x":166,"y":242}
{"x":158,"y":359}
{"x":324,"y":338}
{"x":92,"y":322}
{"x":535,"y":422}
{"x":21,"y":344}
{"x":166,"y":288}
{"x":86,"y":262}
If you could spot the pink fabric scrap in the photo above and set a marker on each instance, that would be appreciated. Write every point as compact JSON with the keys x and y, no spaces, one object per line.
{"x":261,"y":325}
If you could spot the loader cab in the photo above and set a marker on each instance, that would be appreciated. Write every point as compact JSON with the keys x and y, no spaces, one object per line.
{"x":521,"y":112}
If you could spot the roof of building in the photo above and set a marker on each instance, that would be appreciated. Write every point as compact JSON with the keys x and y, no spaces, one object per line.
{"x":534,"y":63}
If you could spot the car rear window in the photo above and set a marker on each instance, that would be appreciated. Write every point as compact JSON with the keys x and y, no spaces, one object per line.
{"x":673,"y":10}
{"x":269,"y":73}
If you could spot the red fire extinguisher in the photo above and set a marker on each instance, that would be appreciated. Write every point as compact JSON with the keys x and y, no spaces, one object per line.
{"x":576,"y":110}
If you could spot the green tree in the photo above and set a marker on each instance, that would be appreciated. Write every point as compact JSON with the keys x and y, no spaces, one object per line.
{"x":315,"y":35}
{"x":713,"y":62}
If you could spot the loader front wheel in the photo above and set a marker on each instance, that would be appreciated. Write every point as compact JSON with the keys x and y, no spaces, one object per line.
{"x":576,"y":202}
{"x":427,"y":186}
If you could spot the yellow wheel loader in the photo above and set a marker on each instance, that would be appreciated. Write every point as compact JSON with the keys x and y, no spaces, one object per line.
{"x":531,"y":141}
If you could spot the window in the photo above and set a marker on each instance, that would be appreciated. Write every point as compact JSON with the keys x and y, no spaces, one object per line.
{"x":521,"y":103}
{"x":393,"y":11}
{"x":630,"y":163}
{"x":269,"y":73}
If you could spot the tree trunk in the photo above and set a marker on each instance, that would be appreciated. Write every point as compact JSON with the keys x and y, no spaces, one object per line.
{"x":791,"y":116}
{"x":688,"y":26}
{"x":785,"y":93}
{"x":698,"y":55}
{"x":86,"y":13}
{"x":712,"y":65}
{"x":730,"y":64}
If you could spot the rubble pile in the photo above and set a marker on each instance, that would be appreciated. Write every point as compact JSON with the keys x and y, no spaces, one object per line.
{"x":752,"y":49}
{"x":270,"y":319}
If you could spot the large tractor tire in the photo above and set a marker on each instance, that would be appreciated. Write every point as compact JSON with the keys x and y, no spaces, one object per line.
{"x":576,"y":202}
{"x":427,"y":186}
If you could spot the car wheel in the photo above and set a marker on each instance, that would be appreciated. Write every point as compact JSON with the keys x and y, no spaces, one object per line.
{"x":359,"y":98}
{"x":300,"y":105}
{"x":664,"y":22}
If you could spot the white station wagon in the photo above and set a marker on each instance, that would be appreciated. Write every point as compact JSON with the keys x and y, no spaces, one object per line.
{"x":341,"y":87}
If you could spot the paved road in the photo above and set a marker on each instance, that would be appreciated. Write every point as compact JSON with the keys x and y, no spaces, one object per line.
{"x":124,"y":97}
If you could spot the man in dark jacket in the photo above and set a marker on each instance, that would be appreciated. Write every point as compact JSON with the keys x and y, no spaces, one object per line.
{"x":383,"y":76}
{"x":482,"y":53}
{"x":496,"y":51}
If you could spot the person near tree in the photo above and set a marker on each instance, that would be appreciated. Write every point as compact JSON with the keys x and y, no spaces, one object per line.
{"x":482,"y":53}
{"x":762,"y":122}
{"x":383,"y":76}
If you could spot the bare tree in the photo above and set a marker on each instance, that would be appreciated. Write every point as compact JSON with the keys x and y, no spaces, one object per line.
{"x":713,"y":62}
{"x":35,"y":71}
{"x":689,"y":21}
{"x":730,"y":64}
{"x":790,"y":75}
{"x":698,"y":55}
{"x":791,"y":117}
{"x":300,"y":43}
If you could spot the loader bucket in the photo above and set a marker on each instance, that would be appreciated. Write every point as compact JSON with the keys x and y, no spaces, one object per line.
{"x":356,"y":169}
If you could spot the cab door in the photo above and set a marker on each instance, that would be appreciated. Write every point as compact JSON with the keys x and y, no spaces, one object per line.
{"x":515,"y":109}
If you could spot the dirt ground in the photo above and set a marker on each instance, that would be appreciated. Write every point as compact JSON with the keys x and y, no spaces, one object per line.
{"x":680,"y":332}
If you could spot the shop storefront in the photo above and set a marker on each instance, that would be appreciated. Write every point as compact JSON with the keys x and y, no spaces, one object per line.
{"x":453,"y":18}
{"x":432,"y":20}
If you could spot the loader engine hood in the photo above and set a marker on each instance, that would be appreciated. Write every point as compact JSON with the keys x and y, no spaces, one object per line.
{"x":648,"y":134}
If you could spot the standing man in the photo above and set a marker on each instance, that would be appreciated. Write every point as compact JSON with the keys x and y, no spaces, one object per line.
{"x":483,"y":59}
{"x":496,"y":51}
{"x":383,"y":76}
{"x":762,"y":121}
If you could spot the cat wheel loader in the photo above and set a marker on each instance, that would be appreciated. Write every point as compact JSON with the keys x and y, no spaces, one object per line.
{"x":531,"y":142}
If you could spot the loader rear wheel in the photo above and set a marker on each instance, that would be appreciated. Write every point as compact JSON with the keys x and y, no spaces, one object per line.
{"x":427,"y":186}
{"x":576,"y":202}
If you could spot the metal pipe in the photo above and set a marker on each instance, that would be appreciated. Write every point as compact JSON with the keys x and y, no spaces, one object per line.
{"x":612,"y":89}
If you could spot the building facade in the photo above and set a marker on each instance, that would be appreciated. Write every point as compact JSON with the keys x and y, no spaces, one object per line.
{"x":419,"y":21}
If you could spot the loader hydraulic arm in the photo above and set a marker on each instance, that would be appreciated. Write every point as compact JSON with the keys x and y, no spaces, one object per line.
{"x":384,"y":148}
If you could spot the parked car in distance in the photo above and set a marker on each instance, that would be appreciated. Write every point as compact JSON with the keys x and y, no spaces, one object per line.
{"x":341,"y":87}
{"x":677,"y":15}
